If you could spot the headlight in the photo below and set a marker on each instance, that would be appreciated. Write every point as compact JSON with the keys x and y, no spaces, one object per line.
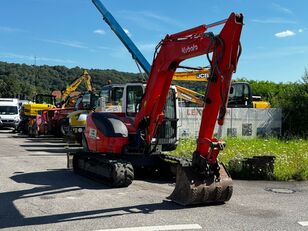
{"x":82,"y":117}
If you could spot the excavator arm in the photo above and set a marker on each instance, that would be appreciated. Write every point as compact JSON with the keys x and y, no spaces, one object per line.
{"x":181,"y":46}
{"x":189,"y":95}
{"x":85,"y":77}
{"x":205,"y":180}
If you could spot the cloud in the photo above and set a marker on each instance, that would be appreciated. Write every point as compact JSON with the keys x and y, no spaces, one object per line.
{"x":161,"y":18}
{"x":146,"y":47}
{"x":74,"y":44}
{"x":10,"y":29}
{"x":32,"y":58}
{"x":283,"y":34}
{"x":282,"y":9}
{"x":149,"y":20}
{"x":301,"y":30}
{"x":99,"y":31}
{"x":274,"y":21}
{"x":127,"y":32}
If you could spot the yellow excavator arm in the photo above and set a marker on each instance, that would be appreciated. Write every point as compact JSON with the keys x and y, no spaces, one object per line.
{"x":189,"y":95}
{"x":73,"y":86}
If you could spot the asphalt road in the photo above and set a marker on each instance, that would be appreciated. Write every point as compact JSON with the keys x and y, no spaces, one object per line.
{"x":37,"y":192}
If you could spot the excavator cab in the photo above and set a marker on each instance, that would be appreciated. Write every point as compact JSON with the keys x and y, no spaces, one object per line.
{"x":45,"y":99}
{"x":127,"y":98}
{"x":240,"y":95}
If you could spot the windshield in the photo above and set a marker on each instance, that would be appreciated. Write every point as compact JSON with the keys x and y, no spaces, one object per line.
{"x":113,"y":95}
{"x":45,"y":99}
{"x":8,"y":110}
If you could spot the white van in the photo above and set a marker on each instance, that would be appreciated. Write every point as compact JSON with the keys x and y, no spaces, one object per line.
{"x":9,"y":113}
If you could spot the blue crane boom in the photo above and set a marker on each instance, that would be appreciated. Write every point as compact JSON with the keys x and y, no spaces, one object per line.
{"x":118,"y":30}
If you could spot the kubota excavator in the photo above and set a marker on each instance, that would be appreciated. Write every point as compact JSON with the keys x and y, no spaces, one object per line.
{"x":114,"y":144}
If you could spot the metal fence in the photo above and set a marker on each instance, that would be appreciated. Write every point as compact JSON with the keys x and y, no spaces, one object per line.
{"x":245,"y":122}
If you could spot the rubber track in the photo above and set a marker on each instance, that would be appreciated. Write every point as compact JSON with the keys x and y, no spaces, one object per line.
{"x":114,"y":173}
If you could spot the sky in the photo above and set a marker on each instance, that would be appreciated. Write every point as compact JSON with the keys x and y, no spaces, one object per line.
{"x":72,"y":33}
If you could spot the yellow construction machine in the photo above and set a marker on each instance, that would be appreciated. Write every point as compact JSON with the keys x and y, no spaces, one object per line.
{"x":240,"y":92}
{"x":54,"y":120}
{"x":30,"y":110}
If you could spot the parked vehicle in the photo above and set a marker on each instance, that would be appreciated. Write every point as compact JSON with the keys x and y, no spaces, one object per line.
{"x":9,"y":113}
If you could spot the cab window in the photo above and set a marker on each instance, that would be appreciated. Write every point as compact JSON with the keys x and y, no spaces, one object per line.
{"x":134,"y":97}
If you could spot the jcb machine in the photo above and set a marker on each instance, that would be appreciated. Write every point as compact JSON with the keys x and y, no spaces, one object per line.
{"x":115,"y":144}
{"x":240,"y":92}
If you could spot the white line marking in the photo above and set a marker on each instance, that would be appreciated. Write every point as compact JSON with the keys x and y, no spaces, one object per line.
{"x":303,"y":223}
{"x":157,"y":228}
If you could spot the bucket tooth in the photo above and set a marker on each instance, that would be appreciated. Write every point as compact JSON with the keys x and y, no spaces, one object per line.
{"x":192,"y":188}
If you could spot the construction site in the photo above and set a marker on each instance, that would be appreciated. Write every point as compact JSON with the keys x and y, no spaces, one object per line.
{"x":179,"y":145}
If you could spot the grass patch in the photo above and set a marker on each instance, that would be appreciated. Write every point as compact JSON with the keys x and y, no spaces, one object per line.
{"x":291,"y":161}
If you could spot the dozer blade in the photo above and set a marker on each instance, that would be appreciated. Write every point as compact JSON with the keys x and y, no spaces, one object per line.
{"x":191,"y":188}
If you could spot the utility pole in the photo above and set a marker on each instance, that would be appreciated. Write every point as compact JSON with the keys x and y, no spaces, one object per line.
{"x":36,"y":75}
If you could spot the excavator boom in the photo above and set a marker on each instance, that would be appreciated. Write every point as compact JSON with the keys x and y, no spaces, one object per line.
{"x":86,"y":78}
{"x":181,"y":46}
{"x":189,"y":95}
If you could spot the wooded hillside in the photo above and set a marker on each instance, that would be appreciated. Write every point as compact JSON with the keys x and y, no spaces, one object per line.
{"x":24,"y":81}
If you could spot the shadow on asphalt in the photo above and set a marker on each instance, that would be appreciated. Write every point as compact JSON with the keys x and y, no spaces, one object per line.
{"x":42,"y":145}
{"x":48,"y":150}
{"x":56,"y":181}
{"x":52,"y":182}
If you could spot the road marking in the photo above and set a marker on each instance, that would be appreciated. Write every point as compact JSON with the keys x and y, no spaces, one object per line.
{"x":303,"y":223}
{"x":157,"y":228}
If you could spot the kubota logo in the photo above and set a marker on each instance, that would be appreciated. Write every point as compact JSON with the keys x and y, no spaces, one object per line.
{"x":189,"y":48}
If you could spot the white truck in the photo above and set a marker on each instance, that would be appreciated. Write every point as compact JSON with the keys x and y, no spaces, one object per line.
{"x":9,"y":113}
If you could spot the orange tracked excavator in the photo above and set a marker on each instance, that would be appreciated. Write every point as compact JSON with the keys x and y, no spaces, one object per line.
{"x":115,"y":143}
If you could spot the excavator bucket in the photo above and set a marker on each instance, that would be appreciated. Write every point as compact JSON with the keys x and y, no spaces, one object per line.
{"x":191,"y":188}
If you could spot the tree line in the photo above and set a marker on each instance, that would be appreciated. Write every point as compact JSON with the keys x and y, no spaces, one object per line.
{"x":24,"y":81}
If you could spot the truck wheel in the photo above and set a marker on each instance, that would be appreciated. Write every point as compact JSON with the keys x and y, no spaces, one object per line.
{"x":35,"y":131}
{"x":62,"y":129}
